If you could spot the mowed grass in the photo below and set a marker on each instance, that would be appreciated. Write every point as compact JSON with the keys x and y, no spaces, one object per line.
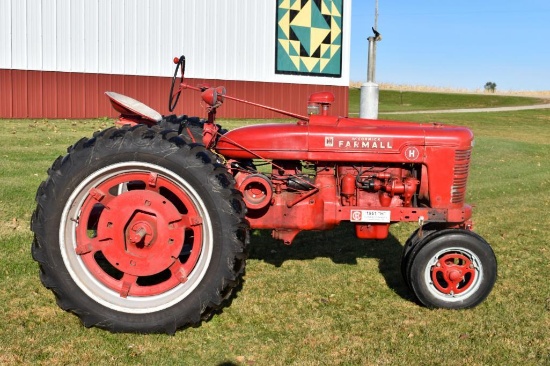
{"x":396,"y":101}
{"x":329,"y":299}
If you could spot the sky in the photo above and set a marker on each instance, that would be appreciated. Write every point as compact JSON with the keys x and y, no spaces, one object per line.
{"x":455,"y":43}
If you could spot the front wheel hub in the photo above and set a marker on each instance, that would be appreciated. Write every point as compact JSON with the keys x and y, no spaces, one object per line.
{"x":453,"y":274}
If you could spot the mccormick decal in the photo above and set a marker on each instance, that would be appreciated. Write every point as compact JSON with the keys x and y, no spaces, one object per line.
{"x":359,"y":143}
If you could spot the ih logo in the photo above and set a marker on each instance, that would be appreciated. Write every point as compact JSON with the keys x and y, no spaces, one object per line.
{"x":329,"y":141}
{"x":356,"y":216}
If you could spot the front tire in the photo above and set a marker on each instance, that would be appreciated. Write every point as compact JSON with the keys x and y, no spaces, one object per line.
{"x":137,"y":231}
{"x":416,"y":240}
{"x":452,"y":269}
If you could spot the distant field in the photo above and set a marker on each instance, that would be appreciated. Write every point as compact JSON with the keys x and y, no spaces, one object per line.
{"x":452,"y":90}
{"x":396,"y":101}
{"x":329,"y":299}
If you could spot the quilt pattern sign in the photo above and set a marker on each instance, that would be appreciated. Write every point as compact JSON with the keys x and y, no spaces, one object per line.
{"x":309,"y":37}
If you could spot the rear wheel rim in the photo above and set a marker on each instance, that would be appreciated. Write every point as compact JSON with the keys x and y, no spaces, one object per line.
{"x":453,"y":274}
{"x":136,"y":237}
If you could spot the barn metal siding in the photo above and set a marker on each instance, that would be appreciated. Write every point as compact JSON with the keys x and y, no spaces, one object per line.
{"x":229,"y":40}
{"x":58,"y":56}
{"x":5,"y":33}
{"x":38,"y":94}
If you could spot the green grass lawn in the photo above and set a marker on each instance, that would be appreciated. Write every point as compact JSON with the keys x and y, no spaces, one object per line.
{"x":396,"y":101}
{"x":329,"y":299}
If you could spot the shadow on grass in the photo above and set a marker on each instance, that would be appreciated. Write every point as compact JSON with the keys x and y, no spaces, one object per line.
{"x":340,"y":245}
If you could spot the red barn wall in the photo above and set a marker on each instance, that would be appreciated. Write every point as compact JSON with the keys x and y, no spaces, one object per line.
{"x":47,"y":94}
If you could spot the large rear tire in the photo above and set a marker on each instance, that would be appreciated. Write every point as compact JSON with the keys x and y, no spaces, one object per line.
{"x":138,"y":231}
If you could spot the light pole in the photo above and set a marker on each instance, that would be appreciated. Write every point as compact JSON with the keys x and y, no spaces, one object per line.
{"x":369,"y":91}
{"x":376,"y":35}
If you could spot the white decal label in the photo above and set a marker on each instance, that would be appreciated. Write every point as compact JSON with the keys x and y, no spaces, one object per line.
{"x":329,"y":141}
{"x":370,"y":216}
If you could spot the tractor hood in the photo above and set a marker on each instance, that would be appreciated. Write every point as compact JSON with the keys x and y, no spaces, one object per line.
{"x":341,"y":139}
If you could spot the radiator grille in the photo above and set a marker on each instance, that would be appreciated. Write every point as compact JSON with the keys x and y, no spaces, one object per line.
{"x":461,"y":169}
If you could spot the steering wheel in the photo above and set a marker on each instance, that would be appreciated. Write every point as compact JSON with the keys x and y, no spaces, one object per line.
{"x":173,"y":98}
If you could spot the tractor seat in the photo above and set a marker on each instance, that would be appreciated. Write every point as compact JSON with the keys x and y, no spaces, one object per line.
{"x":130,"y":107}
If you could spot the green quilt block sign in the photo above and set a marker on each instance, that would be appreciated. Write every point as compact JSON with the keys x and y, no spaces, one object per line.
{"x":309,"y":37}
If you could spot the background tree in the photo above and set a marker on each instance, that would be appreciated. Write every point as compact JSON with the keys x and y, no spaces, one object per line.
{"x":490,"y":86}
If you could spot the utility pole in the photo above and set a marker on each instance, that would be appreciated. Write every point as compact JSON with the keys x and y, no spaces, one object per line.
{"x":369,"y":91}
{"x":376,"y":28}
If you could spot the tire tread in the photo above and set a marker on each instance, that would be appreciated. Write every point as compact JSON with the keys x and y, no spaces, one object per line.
{"x":163,"y":143}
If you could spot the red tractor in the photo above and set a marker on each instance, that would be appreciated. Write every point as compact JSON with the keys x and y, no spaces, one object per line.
{"x":144,"y":227}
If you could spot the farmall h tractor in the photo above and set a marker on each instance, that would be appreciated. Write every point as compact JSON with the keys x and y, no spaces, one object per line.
{"x":144,"y":227}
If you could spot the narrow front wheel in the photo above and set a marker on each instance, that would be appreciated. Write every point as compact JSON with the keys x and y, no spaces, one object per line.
{"x":453,"y":269}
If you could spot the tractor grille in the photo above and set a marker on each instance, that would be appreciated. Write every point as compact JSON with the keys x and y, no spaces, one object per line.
{"x":461,"y":169}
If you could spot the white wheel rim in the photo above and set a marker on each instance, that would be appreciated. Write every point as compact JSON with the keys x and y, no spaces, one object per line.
{"x":95,"y":289}
{"x":473,"y":287}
